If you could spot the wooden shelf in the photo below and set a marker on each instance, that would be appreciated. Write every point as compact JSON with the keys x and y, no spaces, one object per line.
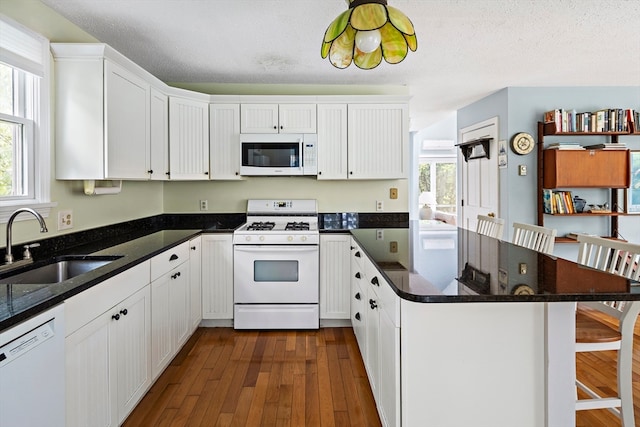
{"x":550,"y":130}
{"x":590,"y":214}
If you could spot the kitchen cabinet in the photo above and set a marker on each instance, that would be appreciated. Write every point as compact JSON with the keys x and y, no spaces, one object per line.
{"x":378,"y":141}
{"x":170,"y":301}
{"x":224,"y":139}
{"x":217,"y":276}
{"x":278,"y":118}
{"x":159,"y":170}
{"x":332,"y":141}
{"x":358,"y":297}
{"x":188,"y":139}
{"x":102,"y":114}
{"x":107,"y":358}
{"x":335,"y":272}
{"x":195,"y":283}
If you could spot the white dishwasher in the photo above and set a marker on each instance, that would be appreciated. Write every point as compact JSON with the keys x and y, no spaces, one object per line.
{"x":32,"y":372}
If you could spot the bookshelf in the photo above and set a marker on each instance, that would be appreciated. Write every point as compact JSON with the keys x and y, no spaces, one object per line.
{"x":568,"y":169}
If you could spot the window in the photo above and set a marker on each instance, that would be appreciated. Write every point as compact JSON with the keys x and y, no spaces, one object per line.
{"x":437,"y":177}
{"x":24,"y":120}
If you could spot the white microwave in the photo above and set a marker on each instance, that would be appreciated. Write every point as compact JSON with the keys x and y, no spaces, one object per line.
{"x":278,"y":154}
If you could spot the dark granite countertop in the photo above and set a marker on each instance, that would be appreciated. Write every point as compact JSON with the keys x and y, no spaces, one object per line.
{"x":439,"y":263}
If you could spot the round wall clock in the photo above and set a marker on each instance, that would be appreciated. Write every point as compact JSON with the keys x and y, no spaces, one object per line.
{"x":522,"y":290}
{"x":522,"y":143}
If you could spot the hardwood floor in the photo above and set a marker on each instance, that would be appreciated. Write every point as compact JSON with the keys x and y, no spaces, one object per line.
{"x":224,"y":377}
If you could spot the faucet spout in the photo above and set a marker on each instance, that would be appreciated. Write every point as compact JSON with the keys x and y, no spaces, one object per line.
{"x":43,"y":229}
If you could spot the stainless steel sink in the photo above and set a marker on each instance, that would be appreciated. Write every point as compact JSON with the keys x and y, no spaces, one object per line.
{"x":58,"y":270}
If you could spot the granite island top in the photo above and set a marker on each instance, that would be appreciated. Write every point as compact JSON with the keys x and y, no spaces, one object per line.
{"x":440,"y":263}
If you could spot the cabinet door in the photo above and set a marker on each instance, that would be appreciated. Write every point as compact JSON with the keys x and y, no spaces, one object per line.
{"x":388,"y":397}
{"x":127,"y":118}
{"x":188,"y":139}
{"x":161,"y":341}
{"x":179,"y":312}
{"x":335,"y":269}
{"x":217,"y":276}
{"x":224,"y":123}
{"x":90,"y":375}
{"x":133,"y":332}
{"x":359,"y":298}
{"x":195,"y":283}
{"x":372,"y":327}
{"x":378,"y":137}
{"x":297,"y":118}
{"x":259,"y":118}
{"x":332,"y":141}
{"x":159,"y":169}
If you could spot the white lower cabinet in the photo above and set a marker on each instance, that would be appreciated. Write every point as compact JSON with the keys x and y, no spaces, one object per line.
{"x":334,"y":276}
{"x":107,"y":368}
{"x":217,"y":276}
{"x":375,"y":317}
{"x":170,"y":314}
{"x":195,"y":283}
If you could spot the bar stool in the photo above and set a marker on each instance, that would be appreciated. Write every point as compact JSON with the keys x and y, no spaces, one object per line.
{"x":490,"y":226}
{"x":540,"y":239}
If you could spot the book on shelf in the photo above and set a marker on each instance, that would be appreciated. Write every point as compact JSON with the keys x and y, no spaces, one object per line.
{"x":606,"y":146}
{"x":565,"y":146}
{"x":603,"y":120}
{"x":557,"y":202}
{"x":574,"y":235}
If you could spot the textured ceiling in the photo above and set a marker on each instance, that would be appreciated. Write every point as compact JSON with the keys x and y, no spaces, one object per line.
{"x":467,"y":49}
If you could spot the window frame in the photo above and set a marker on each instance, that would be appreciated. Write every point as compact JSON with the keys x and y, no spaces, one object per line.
{"x":39,"y":130}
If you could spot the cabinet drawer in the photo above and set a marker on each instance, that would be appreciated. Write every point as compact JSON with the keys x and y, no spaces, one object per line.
{"x":168,"y":260}
{"x":586,"y":168}
{"x":86,"y":306}
{"x":385,"y":297}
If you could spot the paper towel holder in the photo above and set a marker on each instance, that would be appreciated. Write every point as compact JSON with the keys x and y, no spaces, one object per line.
{"x":92,"y":187}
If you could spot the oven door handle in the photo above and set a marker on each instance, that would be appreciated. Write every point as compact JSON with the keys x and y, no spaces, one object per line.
{"x":278,"y":248}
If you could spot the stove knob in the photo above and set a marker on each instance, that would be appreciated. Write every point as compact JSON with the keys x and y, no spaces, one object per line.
{"x":247,"y":238}
{"x":290,"y":238}
{"x":262,"y":238}
{"x":304,"y":238}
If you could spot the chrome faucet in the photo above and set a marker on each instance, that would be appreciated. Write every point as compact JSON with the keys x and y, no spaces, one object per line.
{"x":43,"y":229}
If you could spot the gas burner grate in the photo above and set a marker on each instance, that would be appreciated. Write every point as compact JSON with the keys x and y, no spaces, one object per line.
{"x":297,"y":226}
{"x":257,"y":226}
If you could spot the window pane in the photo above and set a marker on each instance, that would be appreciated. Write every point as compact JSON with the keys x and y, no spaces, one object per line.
{"x":446,"y":186}
{"x":6,"y":89}
{"x":424,"y":177}
{"x":12,"y":156}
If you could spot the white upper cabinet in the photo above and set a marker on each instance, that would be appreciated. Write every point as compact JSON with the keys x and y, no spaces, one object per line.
{"x":224,"y":141}
{"x":188,"y":139}
{"x":332,"y":141}
{"x":102,"y":114}
{"x":159,"y":136}
{"x":378,"y":137}
{"x":278,"y":118}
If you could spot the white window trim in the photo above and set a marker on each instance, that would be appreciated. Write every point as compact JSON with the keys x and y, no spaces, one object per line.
{"x":42,"y":143}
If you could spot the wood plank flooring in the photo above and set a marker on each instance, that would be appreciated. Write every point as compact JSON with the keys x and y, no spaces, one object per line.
{"x":224,"y":377}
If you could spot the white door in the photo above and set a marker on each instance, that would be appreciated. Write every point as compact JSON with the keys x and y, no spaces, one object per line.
{"x":479,"y":176}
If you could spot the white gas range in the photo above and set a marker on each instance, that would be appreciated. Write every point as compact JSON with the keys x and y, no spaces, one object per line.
{"x":276,"y":266}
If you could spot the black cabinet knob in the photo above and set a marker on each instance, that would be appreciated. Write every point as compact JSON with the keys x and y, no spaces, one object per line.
{"x":358,"y":254}
{"x":124,"y":312}
{"x":116,"y":316}
{"x":358,"y":275}
{"x":357,"y":316}
{"x":206,"y":173}
{"x":374,"y":281}
{"x":193,"y":248}
{"x":173,"y":257}
{"x":358,"y":295}
{"x":373,"y":304}
{"x":150,"y":171}
{"x":174,"y":276}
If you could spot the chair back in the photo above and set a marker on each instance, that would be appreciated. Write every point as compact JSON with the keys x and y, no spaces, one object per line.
{"x":490,"y":226}
{"x":534,"y":237}
{"x":612,"y":256}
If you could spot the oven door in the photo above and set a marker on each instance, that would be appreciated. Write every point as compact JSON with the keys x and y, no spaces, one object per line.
{"x":281,"y":274}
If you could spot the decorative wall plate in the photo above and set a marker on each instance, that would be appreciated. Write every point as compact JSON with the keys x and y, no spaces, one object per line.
{"x":522,"y":143}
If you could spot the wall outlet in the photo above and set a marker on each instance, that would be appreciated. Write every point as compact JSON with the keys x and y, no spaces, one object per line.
{"x":379,"y":205}
{"x":523,"y":268}
{"x":393,"y":193}
{"x":379,"y":234}
{"x":204,"y":205}
{"x":522,"y":170}
{"x":65,"y":220}
{"x":393,"y":247}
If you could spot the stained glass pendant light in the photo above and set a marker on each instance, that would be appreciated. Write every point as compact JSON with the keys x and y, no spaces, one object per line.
{"x":367,"y":32}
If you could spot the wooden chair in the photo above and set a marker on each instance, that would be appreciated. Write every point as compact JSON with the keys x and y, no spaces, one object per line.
{"x":490,"y":226}
{"x":534,"y":237}
{"x":594,"y":335}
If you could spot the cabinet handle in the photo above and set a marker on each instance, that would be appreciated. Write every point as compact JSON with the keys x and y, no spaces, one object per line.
{"x":373,"y":304}
{"x":193,"y":248}
{"x":116,"y":316}
{"x":281,"y":127}
{"x":358,"y":295}
{"x":374,"y":281}
{"x":358,"y":254}
{"x":167,"y":173}
{"x":357,"y":316}
{"x":275,"y":127}
{"x":237,"y":173}
{"x":124,"y":312}
{"x":352,"y":247}
{"x":350,"y":172}
{"x":173,"y":257}
{"x":150,"y":171}
{"x":358,"y":275}
{"x":319,"y":172}
{"x":206,"y":173}
{"x":174,"y":276}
